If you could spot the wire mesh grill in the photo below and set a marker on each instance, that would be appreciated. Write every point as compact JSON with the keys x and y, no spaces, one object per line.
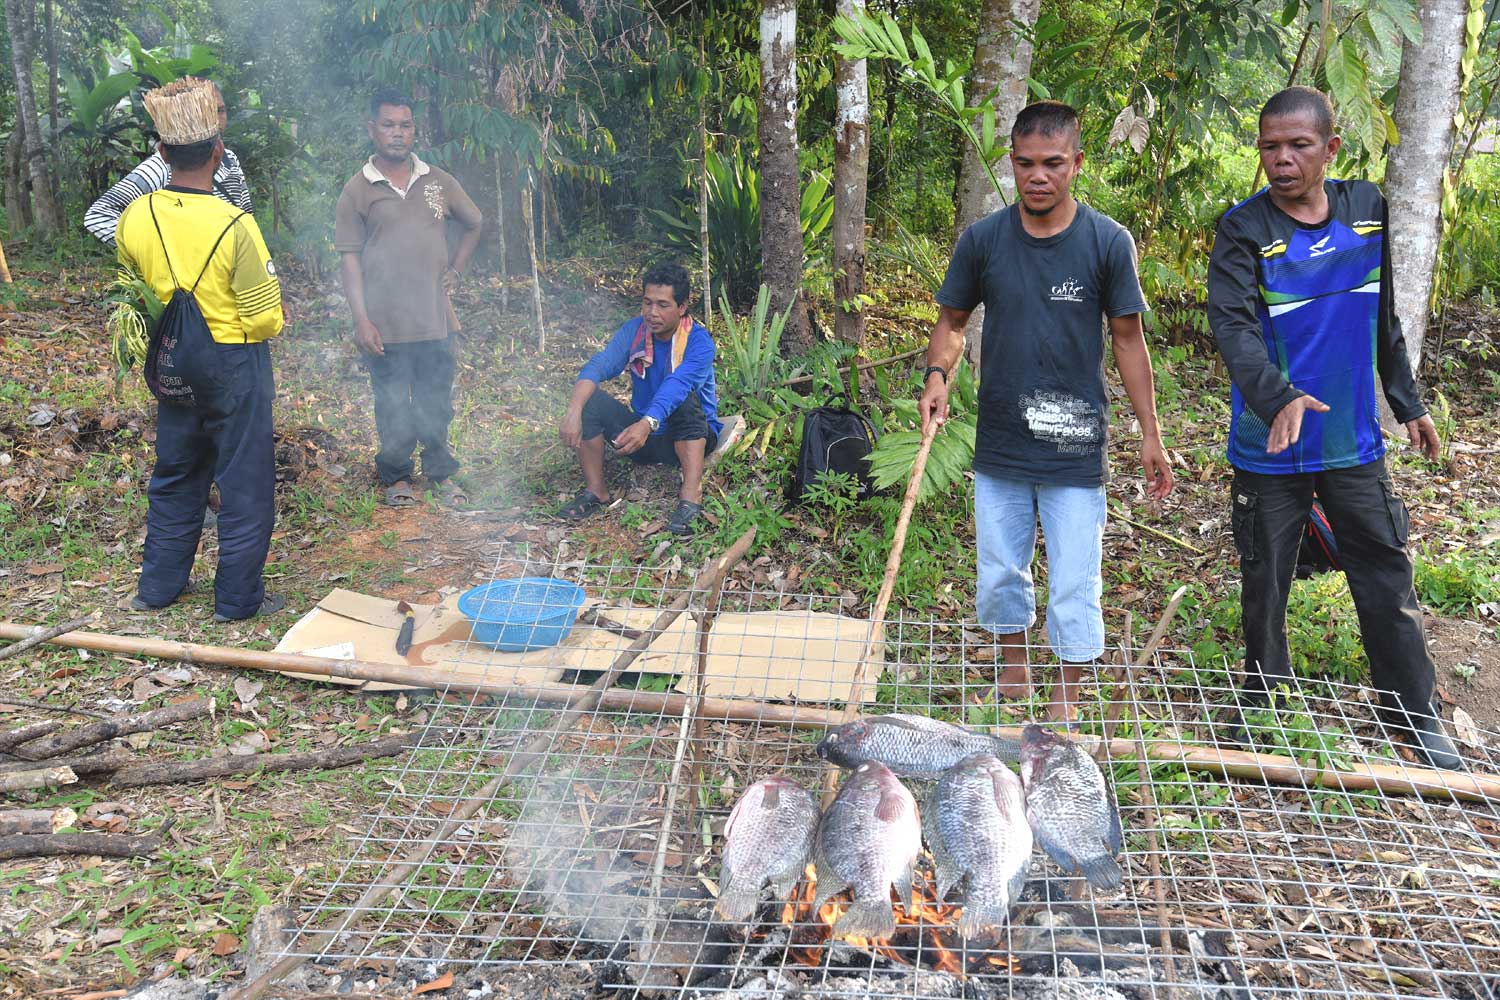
{"x":607,"y":853}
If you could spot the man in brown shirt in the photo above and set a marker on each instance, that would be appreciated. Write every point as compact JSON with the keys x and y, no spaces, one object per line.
{"x":391,"y":228}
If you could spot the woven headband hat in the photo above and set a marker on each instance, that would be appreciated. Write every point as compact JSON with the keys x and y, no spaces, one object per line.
{"x":185,"y":111}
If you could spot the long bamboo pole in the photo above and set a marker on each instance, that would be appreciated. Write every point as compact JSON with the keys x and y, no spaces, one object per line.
{"x":579,"y":703}
{"x":1395,"y":779}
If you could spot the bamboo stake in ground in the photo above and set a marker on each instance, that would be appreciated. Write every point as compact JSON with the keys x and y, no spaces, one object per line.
{"x":581,"y":703}
{"x":699,"y":685}
{"x":875,"y":640}
{"x":1121,"y":673}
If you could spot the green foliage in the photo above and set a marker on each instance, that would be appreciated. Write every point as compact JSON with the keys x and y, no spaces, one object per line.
{"x":952,"y":452}
{"x":750,"y":348}
{"x":838,"y":494}
{"x":734,"y":220}
{"x":135,"y":309}
{"x":1456,"y":582}
{"x":917,"y":254}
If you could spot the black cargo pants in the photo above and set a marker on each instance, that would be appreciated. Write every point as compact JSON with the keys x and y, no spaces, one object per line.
{"x":1370,"y":524}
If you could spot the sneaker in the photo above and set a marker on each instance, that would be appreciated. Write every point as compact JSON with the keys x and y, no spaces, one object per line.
{"x":269,"y":605}
{"x":683,"y":517}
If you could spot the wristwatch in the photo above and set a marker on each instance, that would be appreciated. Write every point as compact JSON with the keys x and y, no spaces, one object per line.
{"x":926,"y":372}
{"x":652,"y":422}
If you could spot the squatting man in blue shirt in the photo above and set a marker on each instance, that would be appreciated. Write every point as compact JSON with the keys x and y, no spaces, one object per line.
{"x":673,"y":416}
{"x":1302,"y":304}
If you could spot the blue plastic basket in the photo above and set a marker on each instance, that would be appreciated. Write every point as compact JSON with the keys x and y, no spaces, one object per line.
{"x":514,"y":616}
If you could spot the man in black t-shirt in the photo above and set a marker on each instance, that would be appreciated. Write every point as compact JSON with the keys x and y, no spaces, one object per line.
{"x":1049,"y":271}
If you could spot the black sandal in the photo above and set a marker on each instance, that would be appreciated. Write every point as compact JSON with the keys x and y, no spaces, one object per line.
{"x":583,"y":505}
{"x":683,"y":517}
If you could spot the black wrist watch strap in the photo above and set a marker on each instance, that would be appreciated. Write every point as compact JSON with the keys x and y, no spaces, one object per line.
{"x":935,"y":368}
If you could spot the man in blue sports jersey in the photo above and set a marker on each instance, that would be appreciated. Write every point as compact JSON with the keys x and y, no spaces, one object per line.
{"x":1300,"y":301}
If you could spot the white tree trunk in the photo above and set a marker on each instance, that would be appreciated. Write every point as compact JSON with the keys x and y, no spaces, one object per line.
{"x":1002,"y":62}
{"x":851,"y":178}
{"x":780,"y":189}
{"x":44,"y":194}
{"x":1426,"y":101}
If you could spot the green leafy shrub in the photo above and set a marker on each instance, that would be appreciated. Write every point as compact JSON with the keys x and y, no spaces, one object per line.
{"x":1456,"y":583}
{"x":952,"y":452}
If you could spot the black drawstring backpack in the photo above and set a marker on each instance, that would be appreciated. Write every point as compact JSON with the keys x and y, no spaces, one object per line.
{"x":184,"y":366}
{"x":834,"y":439}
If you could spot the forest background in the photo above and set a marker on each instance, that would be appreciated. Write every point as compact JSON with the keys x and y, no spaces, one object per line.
{"x":598,"y":135}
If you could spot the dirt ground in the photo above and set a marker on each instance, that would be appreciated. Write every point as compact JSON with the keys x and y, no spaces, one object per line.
{"x":74,"y":457}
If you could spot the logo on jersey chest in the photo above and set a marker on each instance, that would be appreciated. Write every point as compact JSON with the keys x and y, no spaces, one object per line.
{"x":1067,"y":291}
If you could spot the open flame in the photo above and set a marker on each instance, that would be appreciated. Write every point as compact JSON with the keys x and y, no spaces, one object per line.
{"x":927,"y":936}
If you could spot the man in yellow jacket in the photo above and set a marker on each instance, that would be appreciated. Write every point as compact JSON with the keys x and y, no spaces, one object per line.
{"x":184,"y":237}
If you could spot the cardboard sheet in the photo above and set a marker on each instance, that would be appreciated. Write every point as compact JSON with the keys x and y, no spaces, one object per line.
{"x":763,"y":655}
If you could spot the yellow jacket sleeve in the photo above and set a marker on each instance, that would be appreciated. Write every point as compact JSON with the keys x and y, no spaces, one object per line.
{"x":257,"y":292}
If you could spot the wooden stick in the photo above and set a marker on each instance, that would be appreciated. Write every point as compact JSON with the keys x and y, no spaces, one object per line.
{"x":1121,"y":673}
{"x":108,"y":845}
{"x":1155,"y":822}
{"x":35,"y":821}
{"x":83,"y":763}
{"x":579,"y":704}
{"x":45,"y":635}
{"x":42,"y":706}
{"x":699,"y":686}
{"x":1157,"y":533}
{"x":172,"y":772}
{"x":874,"y":640}
{"x":108,"y":729}
{"x":16,"y":737}
{"x":862,"y":366}
{"x":43,"y":777}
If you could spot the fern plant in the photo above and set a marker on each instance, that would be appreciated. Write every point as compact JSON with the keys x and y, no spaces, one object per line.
{"x":952,"y":453}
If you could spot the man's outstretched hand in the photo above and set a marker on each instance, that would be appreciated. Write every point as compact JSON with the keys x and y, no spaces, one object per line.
{"x":1286,"y":429}
{"x":368,"y":340}
{"x":633,"y":438}
{"x":1422,"y":433}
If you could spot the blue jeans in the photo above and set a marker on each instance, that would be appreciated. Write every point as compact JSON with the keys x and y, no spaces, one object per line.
{"x":1005,"y":516}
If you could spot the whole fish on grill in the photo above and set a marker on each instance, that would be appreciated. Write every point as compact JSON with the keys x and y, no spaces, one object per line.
{"x":976,"y":827}
{"x":910,"y":745}
{"x":769,"y":838}
{"x":1070,"y":807}
{"x":868,"y":841}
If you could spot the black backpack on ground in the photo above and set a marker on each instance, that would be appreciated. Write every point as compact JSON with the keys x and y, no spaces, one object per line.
{"x":184,"y":366}
{"x":1319,"y":552}
{"x":835,"y":438}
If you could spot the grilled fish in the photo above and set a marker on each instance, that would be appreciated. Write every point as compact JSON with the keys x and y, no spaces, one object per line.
{"x":868,"y":840}
{"x":910,"y":745}
{"x":976,"y":827}
{"x":768,"y":838}
{"x":1070,"y":808}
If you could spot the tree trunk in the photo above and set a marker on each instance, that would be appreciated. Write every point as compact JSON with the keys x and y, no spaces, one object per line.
{"x":500,"y":234}
{"x":1426,"y":102}
{"x":1002,"y":62}
{"x":51,"y":28}
{"x":536,"y":277}
{"x":44,"y":195}
{"x":851,"y":180}
{"x":17,"y":185}
{"x":708,"y":283}
{"x":781,"y":247}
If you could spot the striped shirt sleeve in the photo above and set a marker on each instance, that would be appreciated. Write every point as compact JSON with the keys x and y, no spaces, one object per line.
{"x":229,"y":182}
{"x":257,"y":292}
{"x":104,"y":215}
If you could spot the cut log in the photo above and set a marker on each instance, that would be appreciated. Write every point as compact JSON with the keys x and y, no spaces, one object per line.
{"x":108,"y":729}
{"x":108,"y":845}
{"x":95,"y":762}
{"x":16,"y":737}
{"x":172,"y":772}
{"x":42,"y":777}
{"x":35,"y":821}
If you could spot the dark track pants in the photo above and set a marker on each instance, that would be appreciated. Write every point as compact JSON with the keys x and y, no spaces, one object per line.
{"x":1370,"y":523}
{"x":228,"y":440}
{"x":413,"y":387}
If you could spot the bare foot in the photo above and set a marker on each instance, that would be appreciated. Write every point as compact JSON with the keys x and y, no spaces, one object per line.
{"x":1066,"y":694}
{"x":1013,"y":681}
